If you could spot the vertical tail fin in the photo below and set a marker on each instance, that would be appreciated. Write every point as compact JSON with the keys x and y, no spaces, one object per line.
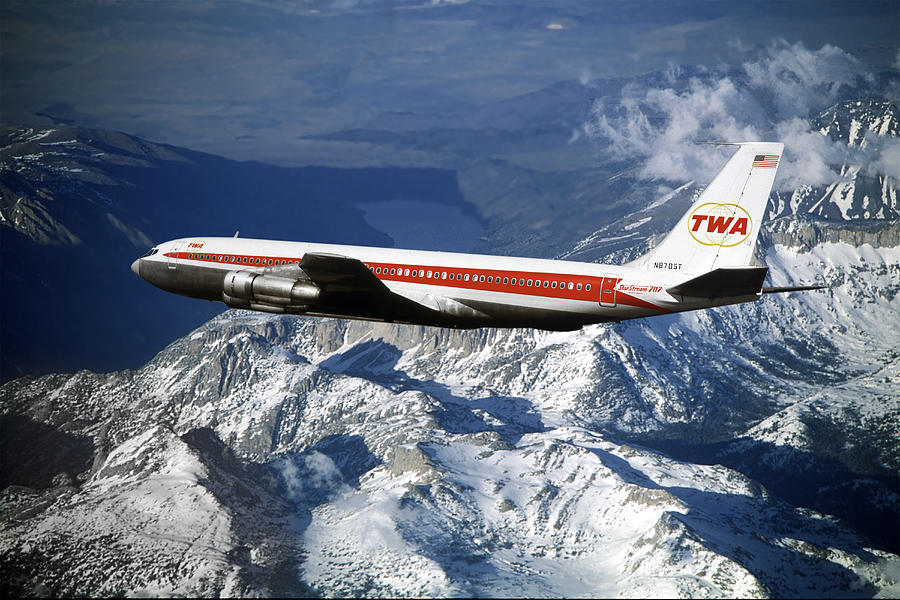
{"x":721,"y":227}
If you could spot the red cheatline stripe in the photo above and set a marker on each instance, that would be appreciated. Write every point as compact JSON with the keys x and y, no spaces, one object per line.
{"x":474,"y":282}
{"x":628,"y":300}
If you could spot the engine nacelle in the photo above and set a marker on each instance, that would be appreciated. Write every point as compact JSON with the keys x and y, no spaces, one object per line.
{"x":244,"y":289}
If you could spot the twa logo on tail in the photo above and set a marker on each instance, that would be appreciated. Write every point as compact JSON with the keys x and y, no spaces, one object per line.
{"x":714,"y":224}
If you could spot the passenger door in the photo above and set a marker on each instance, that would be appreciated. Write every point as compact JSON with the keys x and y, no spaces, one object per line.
{"x":608,"y":290}
{"x":172,"y":259}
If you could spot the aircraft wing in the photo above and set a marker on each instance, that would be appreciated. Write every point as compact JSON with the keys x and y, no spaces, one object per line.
{"x":334,"y":272}
{"x":348,"y":284}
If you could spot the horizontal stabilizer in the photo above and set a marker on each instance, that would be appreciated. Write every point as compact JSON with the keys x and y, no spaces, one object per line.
{"x":795,"y":288}
{"x":722,"y":283}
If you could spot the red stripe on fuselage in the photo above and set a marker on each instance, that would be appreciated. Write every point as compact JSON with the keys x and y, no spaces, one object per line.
{"x":589,"y":292}
{"x":628,"y":300}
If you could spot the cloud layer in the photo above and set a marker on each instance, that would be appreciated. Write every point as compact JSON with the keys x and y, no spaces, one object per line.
{"x":770,"y":97}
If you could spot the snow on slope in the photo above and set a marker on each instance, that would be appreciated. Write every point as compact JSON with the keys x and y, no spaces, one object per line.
{"x":747,"y":450}
{"x":396,"y":460}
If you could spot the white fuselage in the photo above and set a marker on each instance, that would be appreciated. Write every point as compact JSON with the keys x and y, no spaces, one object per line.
{"x":455,"y":290}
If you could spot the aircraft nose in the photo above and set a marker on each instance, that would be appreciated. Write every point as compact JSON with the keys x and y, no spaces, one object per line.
{"x":136,"y":267}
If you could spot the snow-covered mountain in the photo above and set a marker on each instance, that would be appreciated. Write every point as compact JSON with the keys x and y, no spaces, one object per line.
{"x":746,"y":450}
{"x":863,"y":191}
{"x":275,"y":455}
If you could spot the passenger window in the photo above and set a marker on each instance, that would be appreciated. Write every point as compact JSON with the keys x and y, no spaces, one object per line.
{"x":578,"y":286}
{"x":571,"y":285}
{"x":378,"y":270}
{"x":587,"y":288}
{"x":406,"y":273}
{"x":521,"y":282}
{"x":429,"y":274}
{"x":546,"y":283}
{"x":393,"y":271}
{"x":452,"y":276}
{"x":530,"y":282}
{"x":481,"y":278}
{"x":505,"y":280}
{"x":554,"y":285}
{"x":466,"y":277}
{"x":444,"y":275}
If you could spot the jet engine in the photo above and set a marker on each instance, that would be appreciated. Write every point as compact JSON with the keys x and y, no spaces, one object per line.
{"x":270,"y":293}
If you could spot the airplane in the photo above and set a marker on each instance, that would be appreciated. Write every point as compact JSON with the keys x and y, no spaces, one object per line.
{"x":705,"y":261}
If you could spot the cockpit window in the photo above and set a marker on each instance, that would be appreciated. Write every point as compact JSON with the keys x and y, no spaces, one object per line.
{"x":151,"y":252}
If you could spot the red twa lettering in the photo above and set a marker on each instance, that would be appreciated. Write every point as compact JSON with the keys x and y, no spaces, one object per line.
{"x":718,"y":224}
{"x":697,"y":220}
{"x":740,"y":226}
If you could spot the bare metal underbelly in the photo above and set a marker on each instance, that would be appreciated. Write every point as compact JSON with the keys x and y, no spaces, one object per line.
{"x":205,"y":283}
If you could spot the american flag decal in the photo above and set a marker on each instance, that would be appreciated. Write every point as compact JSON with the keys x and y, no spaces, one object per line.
{"x":765,"y":160}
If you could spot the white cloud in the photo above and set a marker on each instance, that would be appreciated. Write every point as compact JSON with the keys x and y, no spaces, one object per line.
{"x":807,"y":155}
{"x":887,"y":159}
{"x":316,"y":473}
{"x":771,"y":98}
{"x":662,"y":124}
{"x":799,"y":80}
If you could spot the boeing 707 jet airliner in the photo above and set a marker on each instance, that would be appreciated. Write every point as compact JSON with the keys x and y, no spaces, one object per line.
{"x":704,"y":262}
